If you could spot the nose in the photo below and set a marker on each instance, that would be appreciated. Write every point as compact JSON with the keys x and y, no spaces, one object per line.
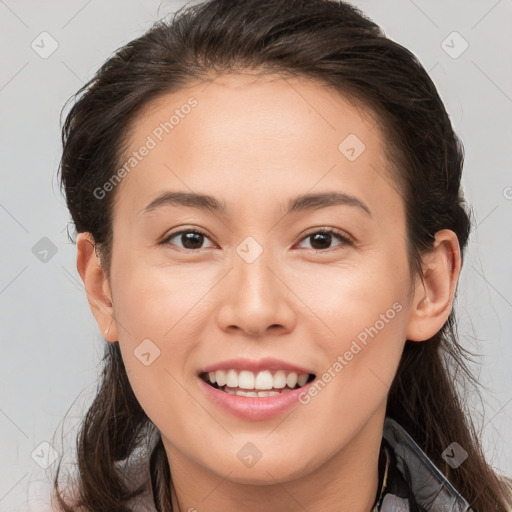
{"x":256,"y":299}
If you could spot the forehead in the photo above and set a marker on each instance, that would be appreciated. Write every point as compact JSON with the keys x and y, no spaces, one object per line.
{"x":243,"y":131}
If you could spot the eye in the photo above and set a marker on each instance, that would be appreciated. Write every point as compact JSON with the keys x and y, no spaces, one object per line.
{"x":322,"y":238}
{"x":192,"y":239}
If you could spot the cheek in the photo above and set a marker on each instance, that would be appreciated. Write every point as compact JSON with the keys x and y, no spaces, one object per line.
{"x":364,"y":310}
{"x":153,"y":301}
{"x":370,"y":326}
{"x":362,"y":363}
{"x":158,"y":318}
{"x":155,"y":363}
{"x":362,"y":298}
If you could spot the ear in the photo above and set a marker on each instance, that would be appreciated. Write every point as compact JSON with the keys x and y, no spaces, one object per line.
{"x":96,"y":286}
{"x":435,"y":290}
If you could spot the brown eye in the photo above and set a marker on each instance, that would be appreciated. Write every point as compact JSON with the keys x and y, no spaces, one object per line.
{"x":322,"y":239}
{"x":190,"y":239}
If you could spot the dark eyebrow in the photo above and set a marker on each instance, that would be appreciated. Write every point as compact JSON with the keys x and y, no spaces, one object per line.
{"x":300,"y":203}
{"x":191,"y":199}
{"x":322,"y":200}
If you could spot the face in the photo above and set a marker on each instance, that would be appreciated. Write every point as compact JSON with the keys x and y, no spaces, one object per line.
{"x":297,"y":261}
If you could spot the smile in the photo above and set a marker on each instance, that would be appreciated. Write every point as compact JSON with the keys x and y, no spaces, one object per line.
{"x":256,"y":384}
{"x":254,"y":395}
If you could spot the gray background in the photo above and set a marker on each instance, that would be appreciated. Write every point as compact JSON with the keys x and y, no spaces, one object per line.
{"x":51,"y":347}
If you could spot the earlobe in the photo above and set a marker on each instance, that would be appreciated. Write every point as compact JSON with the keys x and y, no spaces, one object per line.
{"x":435,"y":291}
{"x":96,"y":286}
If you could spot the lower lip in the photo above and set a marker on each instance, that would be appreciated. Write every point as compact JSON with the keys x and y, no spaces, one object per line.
{"x":254,"y":408}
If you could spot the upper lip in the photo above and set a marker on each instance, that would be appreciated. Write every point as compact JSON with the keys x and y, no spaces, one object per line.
{"x":267,"y":363}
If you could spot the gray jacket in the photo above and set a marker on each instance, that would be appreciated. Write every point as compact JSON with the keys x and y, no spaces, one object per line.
{"x":410,"y":482}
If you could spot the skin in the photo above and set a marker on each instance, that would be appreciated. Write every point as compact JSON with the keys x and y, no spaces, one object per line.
{"x":292,"y":302}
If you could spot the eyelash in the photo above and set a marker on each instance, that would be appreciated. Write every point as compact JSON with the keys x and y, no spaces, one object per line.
{"x":345,"y":239}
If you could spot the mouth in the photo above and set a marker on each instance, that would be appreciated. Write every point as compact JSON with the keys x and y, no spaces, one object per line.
{"x":256,"y":384}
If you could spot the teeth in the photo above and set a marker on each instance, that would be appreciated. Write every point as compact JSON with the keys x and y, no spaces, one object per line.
{"x":259,"y":394}
{"x":264,"y":381}
{"x":245,"y":380}
{"x":279,"y":379}
{"x":232,"y":379}
{"x":302,"y":379}
{"x":220,"y":378}
{"x":291,"y":380}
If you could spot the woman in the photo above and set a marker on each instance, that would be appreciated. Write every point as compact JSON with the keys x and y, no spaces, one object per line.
{"x":248,"y":366}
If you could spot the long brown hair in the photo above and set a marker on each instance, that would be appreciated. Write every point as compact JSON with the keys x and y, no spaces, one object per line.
{"x":324,"y":40}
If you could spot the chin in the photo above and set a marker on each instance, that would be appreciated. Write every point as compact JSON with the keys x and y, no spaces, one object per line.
{"x":264,"y":472}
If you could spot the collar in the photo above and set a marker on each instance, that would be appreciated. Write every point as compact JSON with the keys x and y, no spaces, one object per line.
{"x":409,"y":481}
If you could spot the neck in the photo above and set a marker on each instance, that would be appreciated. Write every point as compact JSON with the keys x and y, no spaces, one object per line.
{"x":348,"y":481}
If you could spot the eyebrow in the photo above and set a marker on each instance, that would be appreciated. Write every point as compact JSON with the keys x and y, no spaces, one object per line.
{"x":297,"y":204}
